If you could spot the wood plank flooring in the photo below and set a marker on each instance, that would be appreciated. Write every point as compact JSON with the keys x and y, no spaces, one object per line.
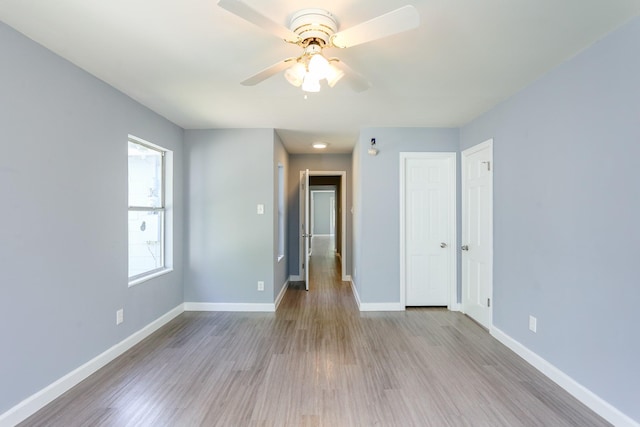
{"x":318,"y":361}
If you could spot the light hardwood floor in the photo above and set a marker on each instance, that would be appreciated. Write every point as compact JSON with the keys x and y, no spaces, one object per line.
{"x":318,"y":361}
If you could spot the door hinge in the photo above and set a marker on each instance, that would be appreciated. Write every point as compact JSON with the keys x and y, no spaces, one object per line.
{"x":488,"y":302}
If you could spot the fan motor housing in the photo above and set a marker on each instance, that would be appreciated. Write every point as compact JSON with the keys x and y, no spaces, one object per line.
{"x":314,"y":25}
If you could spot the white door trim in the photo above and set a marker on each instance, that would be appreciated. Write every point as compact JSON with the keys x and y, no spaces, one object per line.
{"x":306,"y":236}
{"x":453,"y":286}
{"x":343,"y":216}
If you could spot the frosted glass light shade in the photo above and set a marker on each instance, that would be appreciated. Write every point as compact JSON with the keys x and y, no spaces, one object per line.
{"x":311,"y":83}
{"x":318,"y":66}
{"x":295,"y":74}
{"x":334,"y":74}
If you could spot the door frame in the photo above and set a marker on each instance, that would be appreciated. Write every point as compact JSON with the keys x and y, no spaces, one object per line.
{"x":305,"y":240}
{"x":486,"y":145}
{"x":453,"y":268}
{"x":343,"y":216}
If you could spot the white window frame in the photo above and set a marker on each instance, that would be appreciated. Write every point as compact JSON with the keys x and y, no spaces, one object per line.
{"x":162,"y":210}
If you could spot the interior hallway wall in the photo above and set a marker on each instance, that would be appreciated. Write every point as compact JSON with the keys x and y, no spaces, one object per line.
{"x":229,"y":246}
{"x":322,"y":211}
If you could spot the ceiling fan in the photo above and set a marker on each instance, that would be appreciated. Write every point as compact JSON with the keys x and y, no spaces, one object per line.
{"x":317,"y":29}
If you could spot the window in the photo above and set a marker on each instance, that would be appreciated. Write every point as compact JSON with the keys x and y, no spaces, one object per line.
{"x":146,"y":209}
{"x":280,"y":212}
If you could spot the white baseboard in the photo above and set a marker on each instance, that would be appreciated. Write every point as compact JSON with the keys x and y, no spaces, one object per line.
{"x":373,"y":306}
{"x":281,"y":294}
{"x":381,"y":306}
{"x":229,"y":306}
{"x":295,"y":279}
{"x":455,"y":307}
{"x":577,"y":390}
{"x":37,"y":401}
{"x":355,"y":291}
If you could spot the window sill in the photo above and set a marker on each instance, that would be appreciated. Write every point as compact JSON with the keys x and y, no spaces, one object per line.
{"x":280,"y":258}
{"x":150,"y":276}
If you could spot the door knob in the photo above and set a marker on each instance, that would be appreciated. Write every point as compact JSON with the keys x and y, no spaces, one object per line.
{"x":443,"y":245}
{"x":465,"y":247}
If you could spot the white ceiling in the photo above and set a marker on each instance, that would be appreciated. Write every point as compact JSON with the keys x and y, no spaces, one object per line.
{"x":184,"y":59}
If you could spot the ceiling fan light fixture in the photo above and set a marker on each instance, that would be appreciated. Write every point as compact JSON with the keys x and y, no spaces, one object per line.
{"x":295,"y":74}
{"x":316,"y":29}
{"x":311,"y":83}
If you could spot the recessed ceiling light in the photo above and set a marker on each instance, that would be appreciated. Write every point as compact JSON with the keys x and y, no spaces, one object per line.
{"x":319,"y":145}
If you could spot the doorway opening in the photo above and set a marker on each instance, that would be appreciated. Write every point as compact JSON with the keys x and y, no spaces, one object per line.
{"x":323,"y":212}
{"x":324,"y":181}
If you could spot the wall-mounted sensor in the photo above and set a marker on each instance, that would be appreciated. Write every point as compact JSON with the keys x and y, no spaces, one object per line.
{"x":373,"y":151}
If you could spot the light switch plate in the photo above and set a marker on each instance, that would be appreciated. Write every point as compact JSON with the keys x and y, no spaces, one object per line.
{"x":260,"y":209}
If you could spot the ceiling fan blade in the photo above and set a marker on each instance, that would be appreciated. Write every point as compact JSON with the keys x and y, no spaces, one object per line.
{"x":404,"y":19}
{"x":354,"y":79}
{"x":268,"y":72}
{"x":247,"y":13}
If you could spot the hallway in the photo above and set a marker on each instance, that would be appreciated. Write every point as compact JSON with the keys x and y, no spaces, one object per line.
{"x":325,"y":265}
{"x":318,"y":361}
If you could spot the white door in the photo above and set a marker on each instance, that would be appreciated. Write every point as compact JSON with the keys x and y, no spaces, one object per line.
{"x":477,"y":232}
{"x":428,"y":220}
{"x":305,"y":240}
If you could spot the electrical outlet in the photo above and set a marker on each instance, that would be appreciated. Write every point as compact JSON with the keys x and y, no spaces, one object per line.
{"x":533,"y":324}
{"x":261,"y":285}
{"x":119,"y":316}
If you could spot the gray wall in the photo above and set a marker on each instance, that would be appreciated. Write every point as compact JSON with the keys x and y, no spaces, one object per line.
{"x":229,"y":247}
{"x":315,"y":162}
{"x":566,"y":207}
{"x":322,"y":211}
{"x":63,"y":221}
{"x":377,"y":211}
